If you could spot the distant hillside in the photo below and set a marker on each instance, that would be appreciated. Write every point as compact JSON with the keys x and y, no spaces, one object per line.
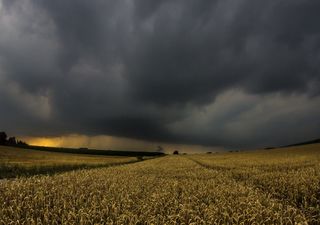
{"x":304,"y":143}
{"x":96,"y":152}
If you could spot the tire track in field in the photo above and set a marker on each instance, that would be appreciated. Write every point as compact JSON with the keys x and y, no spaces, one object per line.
{"x":240,"y":180}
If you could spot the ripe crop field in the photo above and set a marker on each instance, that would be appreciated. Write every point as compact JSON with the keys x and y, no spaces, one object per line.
{"x":280,"y":186}
{"x":16,"y":162}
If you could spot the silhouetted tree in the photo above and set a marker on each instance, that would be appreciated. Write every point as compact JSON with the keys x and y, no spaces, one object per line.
{"x":3,"y":138}
{"x":21,"y":143}
{"x":176,"y":152}
{"x":12,"y":141}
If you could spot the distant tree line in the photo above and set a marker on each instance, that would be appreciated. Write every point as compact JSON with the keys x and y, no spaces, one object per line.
{"x":10,"y":141}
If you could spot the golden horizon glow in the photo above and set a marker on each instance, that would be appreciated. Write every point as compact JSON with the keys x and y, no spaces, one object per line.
{"x":105,"y":142}
{"x":43,"y":141}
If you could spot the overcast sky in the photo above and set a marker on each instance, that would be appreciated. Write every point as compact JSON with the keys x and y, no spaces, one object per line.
{"x":217,"y":73}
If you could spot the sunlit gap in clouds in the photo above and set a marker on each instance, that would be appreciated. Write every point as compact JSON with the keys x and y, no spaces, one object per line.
{"x":105,"y":142}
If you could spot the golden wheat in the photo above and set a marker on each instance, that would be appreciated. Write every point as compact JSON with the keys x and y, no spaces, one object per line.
{"x":198,"y":189}
{"x":17,"y":162}
{"x":29,"y":158}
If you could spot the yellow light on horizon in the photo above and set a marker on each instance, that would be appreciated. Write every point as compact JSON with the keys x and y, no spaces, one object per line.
{"x":106,"y":142}
{"x":43,"y":141}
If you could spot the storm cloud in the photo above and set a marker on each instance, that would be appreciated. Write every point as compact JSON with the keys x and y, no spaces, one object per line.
{"x":208,"y":72}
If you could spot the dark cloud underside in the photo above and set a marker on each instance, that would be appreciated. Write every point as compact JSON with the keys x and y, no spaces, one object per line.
{"x":194,"y":72}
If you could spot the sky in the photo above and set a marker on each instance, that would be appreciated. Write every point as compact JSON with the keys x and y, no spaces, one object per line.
{"x":195,"y":74}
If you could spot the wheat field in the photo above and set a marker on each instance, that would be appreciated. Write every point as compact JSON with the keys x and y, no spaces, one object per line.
{"x":280,"y":186}
{"x":16,"y":162}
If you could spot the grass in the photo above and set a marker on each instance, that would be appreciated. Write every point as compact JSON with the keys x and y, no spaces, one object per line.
{"x":15,"y":162}
{"x":279,"y":186}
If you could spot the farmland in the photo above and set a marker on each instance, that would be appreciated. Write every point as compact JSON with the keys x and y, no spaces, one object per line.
{"x":279,"y":186}
{"x":15,"y":162}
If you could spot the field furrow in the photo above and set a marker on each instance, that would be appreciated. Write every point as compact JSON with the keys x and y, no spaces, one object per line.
{"x":293,"y":179}
{"x":168,"y":190}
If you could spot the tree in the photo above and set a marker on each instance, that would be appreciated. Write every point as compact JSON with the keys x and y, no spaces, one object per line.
{"x":3,"y":138}
{"x":176,"y":152}
{"x":12,"y":141}
{"x":21,"y":143}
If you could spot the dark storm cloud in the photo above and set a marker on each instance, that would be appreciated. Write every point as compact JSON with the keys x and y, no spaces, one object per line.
{"x":155,"y":69}
{"x":263,"y":47}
